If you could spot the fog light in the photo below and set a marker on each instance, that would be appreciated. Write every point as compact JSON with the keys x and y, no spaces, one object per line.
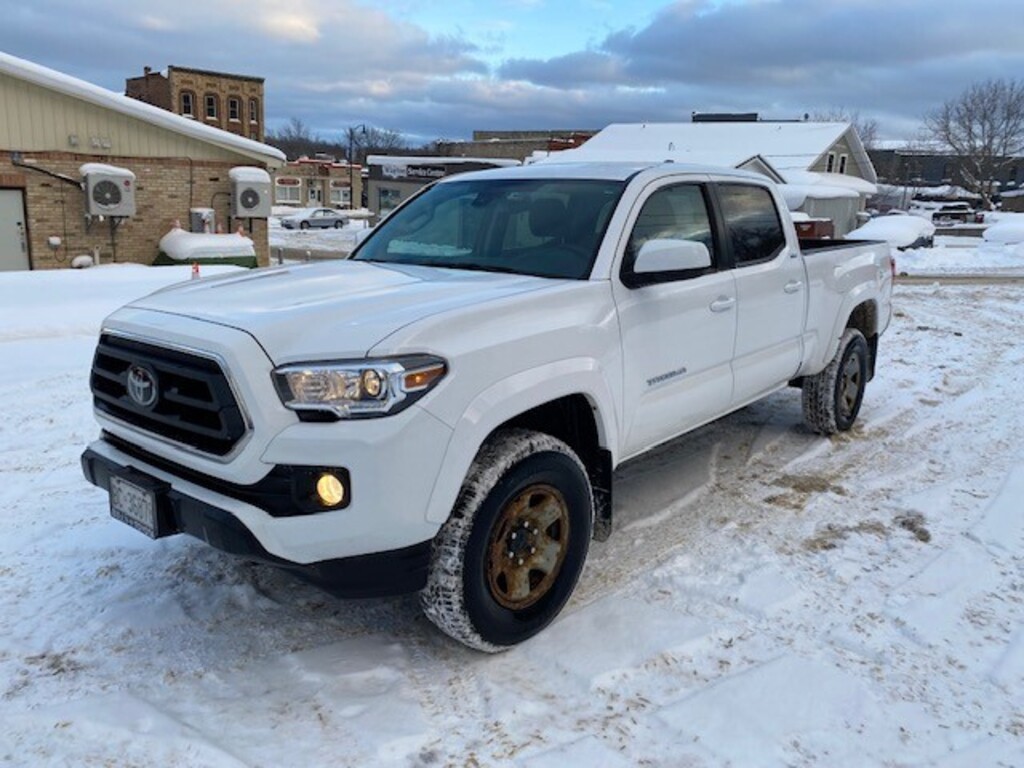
{"x":330,"y":490}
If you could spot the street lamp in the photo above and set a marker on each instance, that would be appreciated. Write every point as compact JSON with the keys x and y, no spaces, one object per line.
{"x":351,"y":150}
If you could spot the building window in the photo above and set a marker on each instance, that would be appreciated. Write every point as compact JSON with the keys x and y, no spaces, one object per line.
{"x":388,"y":199}
{"x":341,"y":196}
{"x":830,"y":162}
{"x":211,"y":106}
{"x":188,"y":104}
{"x":254,"y":110}
{"x":234,"y":109}
{"x":288,"y":190}
{"x":842,"y":163}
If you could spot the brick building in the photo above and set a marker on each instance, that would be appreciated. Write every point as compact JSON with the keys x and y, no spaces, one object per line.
{"x":232,"y":103}
{"x":56,"y":124}
{"x":312,"y":182}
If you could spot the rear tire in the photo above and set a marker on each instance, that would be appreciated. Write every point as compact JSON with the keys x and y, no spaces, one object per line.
{"x":509,"y":556}
{"x":832,"y":398}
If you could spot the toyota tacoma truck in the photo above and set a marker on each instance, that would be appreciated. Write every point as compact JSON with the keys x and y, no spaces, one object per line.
{"x":443,"y":411}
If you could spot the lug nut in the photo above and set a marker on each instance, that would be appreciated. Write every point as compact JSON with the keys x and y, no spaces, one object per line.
{"x":520,"y":561}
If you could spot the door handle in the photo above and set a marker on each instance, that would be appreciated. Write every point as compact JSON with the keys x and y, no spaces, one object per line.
{"x":722,"y":304}
{"x":792,"y":286}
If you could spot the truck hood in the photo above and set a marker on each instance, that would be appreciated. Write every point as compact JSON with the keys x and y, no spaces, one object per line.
{"x":338,"y":309}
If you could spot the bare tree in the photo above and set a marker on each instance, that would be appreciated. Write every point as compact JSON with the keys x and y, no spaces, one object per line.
{"x":984,"y":127}
{"x":363,"y":140}
{"x":296,"y":139}
{"x":866,"y":127}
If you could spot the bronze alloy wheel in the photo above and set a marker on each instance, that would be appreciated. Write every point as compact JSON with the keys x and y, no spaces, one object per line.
{"x":527,"y":547}
{"x":850,"y":385}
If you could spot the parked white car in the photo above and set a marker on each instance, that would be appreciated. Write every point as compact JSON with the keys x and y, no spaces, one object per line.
{"x":316,"y":218}
{"x":443,"y":411}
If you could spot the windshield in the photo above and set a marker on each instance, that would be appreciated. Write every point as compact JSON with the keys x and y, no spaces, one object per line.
{"x":545,"y":227}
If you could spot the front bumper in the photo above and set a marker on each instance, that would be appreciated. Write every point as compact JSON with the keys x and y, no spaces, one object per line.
{"x":216,"y":518}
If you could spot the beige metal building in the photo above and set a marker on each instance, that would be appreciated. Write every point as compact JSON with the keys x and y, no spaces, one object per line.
{"x":157,"y":165}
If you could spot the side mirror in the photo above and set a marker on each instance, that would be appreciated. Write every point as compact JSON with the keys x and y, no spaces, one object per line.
{"x":663,"y":255}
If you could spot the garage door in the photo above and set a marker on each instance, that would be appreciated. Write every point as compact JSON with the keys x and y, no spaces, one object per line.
{"x":13,"y":244}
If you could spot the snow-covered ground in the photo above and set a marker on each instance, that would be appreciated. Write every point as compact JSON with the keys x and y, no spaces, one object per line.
{"x":770,"y":597}
{"x":962,"y":256}
{"x":341,"y":240}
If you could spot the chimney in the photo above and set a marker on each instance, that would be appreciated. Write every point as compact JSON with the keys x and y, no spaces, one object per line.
{"x":147,"y":70}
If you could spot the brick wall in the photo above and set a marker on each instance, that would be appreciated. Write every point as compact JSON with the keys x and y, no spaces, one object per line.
{"x":152,"y":88}
{"x":223,"y":87}
{"x":165,"y":189}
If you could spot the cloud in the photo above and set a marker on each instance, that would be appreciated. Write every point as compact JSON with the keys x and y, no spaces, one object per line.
{"x":341,"y":63}
{"x":803,"y":54}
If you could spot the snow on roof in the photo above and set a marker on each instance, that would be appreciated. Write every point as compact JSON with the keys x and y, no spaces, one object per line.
{"x":244,"y":173}
{"x":841,"y":184}
{"x":786,"y":147}
{"x":116,"y":102}
{"x":107,"y":170}
{"x":405,"y":160}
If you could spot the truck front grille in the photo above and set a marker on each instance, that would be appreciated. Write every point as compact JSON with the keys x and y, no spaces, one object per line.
{"x":192,"y":403}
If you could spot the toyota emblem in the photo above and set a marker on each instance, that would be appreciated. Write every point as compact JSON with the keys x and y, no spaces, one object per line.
{"x":142,"y":387}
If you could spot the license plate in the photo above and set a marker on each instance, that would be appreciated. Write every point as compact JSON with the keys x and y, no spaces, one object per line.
{"x":134,"y":505}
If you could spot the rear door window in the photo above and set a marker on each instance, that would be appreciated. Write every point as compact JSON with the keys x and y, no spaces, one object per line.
{"x":752,"y":223}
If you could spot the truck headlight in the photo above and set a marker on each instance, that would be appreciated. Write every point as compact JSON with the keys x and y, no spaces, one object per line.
{"x":358,"y":388}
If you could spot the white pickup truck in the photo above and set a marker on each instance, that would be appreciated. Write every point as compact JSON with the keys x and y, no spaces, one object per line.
{"x":443,"y":411}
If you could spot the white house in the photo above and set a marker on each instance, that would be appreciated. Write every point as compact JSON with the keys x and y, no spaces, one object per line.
{"x":823,"y":168}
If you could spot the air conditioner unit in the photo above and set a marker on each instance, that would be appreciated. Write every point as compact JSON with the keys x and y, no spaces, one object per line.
{"x":250,"y":193}
{"x":109,"y":190}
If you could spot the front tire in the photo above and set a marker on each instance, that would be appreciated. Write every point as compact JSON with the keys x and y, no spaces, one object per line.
{"x":510,"y":554}
{"x":832,"y":398}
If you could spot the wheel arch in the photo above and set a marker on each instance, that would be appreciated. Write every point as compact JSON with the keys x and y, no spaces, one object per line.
{"x":572,"y":420}
{"x":575,"y":408}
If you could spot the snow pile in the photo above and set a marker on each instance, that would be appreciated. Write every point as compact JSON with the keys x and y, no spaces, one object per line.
{"x":898,"y":231}
{"x":1007,"y":229}
{"x":190,"y":246}
{"x":769,"y":597}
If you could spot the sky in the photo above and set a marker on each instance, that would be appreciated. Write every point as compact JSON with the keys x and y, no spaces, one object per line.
{"x":440,"y":69}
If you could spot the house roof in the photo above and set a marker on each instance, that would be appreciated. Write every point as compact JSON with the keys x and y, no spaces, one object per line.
{"x":116,"y":102}
{"x":795,"y":146}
